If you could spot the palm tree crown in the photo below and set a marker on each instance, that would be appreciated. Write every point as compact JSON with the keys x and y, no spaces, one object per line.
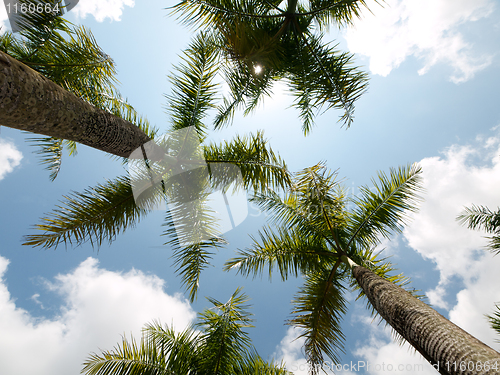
{"x":221,"y":346}
{"x":319,"y":232}
{"x":262,"y":42}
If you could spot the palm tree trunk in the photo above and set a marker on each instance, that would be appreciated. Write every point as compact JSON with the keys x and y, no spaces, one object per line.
{"x":447,"y":347}
{"x":31,"y":102}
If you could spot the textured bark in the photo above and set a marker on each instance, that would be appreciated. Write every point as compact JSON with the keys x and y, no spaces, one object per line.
{"x":31,"y":102}
{"x":447,"y":347}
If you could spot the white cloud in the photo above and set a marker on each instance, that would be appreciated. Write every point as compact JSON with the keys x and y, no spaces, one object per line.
{"x":290,"y":352}
{"x":463,"y":176}
{"x":99,"y":306}
{"x":102,"y":9}
{"x":426,"y":29}
{"x":477,"y":299}
{"x":10,"y":157}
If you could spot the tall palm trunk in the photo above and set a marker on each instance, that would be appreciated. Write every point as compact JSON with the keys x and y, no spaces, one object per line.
{"x":447,"y":347}
{"x":31,"y":102}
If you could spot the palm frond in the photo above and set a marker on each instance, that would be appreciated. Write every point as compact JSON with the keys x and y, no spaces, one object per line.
{"x":331,"y":78}
{"x":97,"y":215}
{"x":342,"y":13}
{"x":246,"y":90}
{"x":131,"y":358}
{"x":193,"y":87}
{"x":482,"y":218}
{"x":194,"y":234}
{"x":494,"y":320}
{"x":180,"y":349}
{"x":222,"y":347}
{"x":191,"y":260}
{"x":225,"y":340}
{"x":253,"y":364}
{"x":50,"y":151}
{"x":380,"y":212}
{"x":203,"y":13}
{"x":250,"y":33}
{"x":314,"y":196}
{"x":318,"y":309}
{"x":290,"y":252}
{"x":260,"y":167}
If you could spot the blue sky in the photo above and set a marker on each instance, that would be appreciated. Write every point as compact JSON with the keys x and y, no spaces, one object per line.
{"x":433,"y":99}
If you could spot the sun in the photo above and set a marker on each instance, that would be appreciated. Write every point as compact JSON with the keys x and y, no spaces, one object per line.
{"x":257,"y":69}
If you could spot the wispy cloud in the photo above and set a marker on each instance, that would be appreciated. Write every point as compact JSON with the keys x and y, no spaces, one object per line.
{"x":10,"y":157}
{"x":427,"y":29}
{"x":99,"y":306}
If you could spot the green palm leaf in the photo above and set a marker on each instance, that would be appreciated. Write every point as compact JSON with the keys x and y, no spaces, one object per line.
{"x":341,"y":12}
{"x":318,"y":309}
{"x":225,"y":341}
{"x":193,"y":88}
{"x":131,"y":358}
{"x":261,"y":168}
{"x":385,"y":210}
{"x":51,"y":150}
{"x":482,"y":218}
{"x":253,"y":364}
{"x":290,"y":252}
{"x":97,"y":215}
{"x":494,"y":320}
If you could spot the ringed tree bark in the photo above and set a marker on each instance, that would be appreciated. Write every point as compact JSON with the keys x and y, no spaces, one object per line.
{"x":448,"y":348}
{"x":31,"y":102}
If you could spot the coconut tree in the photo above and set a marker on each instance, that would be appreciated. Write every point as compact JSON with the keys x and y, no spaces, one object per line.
{"x":328,"y":238}
{"x":56,"y":81}
{"x":190,"y":170}
{"x":216,"y":344}
{"x":266,"y":41}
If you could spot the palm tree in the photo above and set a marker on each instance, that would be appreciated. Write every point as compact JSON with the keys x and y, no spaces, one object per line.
{"x":101,"y":213}
{"x":220,"y":347}
{"x":262,"y":42}
{"x":330,"y":239}
{"x":56,"y":81}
